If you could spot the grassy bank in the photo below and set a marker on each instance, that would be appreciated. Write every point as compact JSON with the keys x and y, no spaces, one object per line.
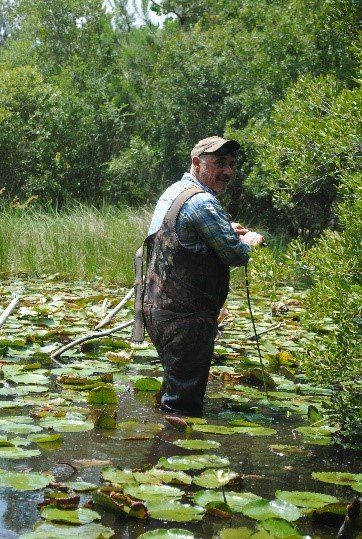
{"x":79,"y":243}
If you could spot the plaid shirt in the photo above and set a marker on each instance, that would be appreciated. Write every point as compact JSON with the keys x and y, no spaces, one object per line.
{"x":202,"y":223}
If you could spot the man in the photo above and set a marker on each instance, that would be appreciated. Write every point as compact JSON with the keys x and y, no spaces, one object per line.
{"x":190,"y":246}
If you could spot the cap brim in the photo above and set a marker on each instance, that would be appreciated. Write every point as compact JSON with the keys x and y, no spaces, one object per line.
{"x":232,"y":145}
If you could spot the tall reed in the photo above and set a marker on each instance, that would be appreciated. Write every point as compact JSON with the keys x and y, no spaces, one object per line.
{"x":78,"y":243}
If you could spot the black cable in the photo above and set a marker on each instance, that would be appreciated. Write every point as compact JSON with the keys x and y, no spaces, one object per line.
{"x":255,"y":332}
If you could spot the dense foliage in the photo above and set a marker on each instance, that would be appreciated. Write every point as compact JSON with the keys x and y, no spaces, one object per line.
{"x":96,"y":106}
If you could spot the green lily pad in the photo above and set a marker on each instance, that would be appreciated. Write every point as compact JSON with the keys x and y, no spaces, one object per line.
{"x":136,"y":430}
{"x":214,"y":478}
{"x":152,"y":492}
{"x":18,"y":453}
{"x":174,"y":511}
{"x":157,"y":475}
{"x":235,"y":533}
{"x":282,"y":450}
{"x":161,"y":533}
{"x":71,"y":516}
{"x":117,"y":476}
{"x":105,"y":394}
{"x":214,"y":429}
{"x":18,"y":428}
{"x":235,"y":500}
{"x":338,"y":478}
{"x":81,"y":486}
{"x":280,"y":528}
{"x":197,"y":444}
{"x":147,"y":384}
{"x":24,"y":481}
{"x":44,"y":438}
{"x":66,"y":425}
{"x":323,"y":430}
{"x":263,"y":510}
{"x":193,"y":462}
{"x":305,"y":499}
{"x":49,"y":530}
{"x":255,"y":431}
{"x":357,"y":486}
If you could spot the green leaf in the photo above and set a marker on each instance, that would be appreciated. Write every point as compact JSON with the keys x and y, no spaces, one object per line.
{"x":212,"y":478}
{"x":24,"y":481}
{"x":18,"y":453}
{"x":48,"y":530}
{"x":105,"y":394}
{"x":235,"y":533}
{"x":280,"y":528}
{"x":305,"y":499}
{"x":197,"y":444}
{"x":44,"y":438}
{"x":263,"y":509}
{"x":214,"y":429}
{"x":17,"y":428}
{"x":81,"y":486}
{"x":117,"y":476}
{"x":157,"y":475}
{"x":323,"y":430}
{"x":174,"y":511}
{"x":172,"y":533}
{"x":147,"y":384}
{"x":66,"y":425}
{"x":152,"y":492}
{"x":192,"y":462}
{"x":72,"y":516}
{"x":235,"y":500}
{"x":338,"y":478}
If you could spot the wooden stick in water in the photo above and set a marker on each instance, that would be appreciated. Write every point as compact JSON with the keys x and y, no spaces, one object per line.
{"x":9,"y":309}
{"x":114,"y":311}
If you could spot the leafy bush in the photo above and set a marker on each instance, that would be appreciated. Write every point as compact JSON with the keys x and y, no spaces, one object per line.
{"x":334,"y":308}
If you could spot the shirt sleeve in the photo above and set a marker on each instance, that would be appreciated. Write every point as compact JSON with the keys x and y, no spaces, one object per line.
{"x":207,"y":218}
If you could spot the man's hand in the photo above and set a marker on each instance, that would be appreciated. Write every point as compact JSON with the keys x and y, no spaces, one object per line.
{"x":252,"y":239}
{"x":239,"y":229}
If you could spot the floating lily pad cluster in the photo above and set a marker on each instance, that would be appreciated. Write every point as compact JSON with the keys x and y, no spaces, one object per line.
{"x":42,"y":406}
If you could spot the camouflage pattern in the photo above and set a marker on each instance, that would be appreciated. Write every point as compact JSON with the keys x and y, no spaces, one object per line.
{"x":183,"y":294}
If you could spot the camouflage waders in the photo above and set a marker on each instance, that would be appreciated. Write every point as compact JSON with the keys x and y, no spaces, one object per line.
{"x":183,"y":294}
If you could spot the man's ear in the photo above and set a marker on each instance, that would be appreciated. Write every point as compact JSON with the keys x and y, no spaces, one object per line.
{"x":196,"y":162}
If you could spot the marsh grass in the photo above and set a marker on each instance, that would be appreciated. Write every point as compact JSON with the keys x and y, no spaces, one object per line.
{"x":81,"y":242}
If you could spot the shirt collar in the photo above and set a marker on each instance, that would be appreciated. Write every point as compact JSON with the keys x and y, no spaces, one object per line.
{"x":191,"y":178}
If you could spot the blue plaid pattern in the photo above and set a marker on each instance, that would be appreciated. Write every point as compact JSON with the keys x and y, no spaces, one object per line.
{"x":202,"y":222}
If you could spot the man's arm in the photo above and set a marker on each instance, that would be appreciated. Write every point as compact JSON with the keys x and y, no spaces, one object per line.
{"x":206,"y":216}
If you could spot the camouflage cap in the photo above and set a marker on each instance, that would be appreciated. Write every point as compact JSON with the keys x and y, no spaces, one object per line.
{"x":212,"y":144}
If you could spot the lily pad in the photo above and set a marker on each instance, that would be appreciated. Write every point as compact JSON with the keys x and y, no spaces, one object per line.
{"x":81,"y":486}
{"x":66,"y":425}
{"x":338,"y":478}
{"x":136,"y":430}
{"x":157,"y":475}
{"x":24,"y":481}
{"x":214,"y":429}
{"x":117,"y":476}
{"x":193,"y":462}
{"x":161,"y":533}
{"x":323,"y":430}
{"x":255,"y":431}
{"x":235,"y":500}
{"x":147,"y":384}
{"x":314,"y":500}
{"x":174,"y":511}
{"x":18,"y":453}
{"x":152,"y":492}
{"x":235,"y":533}
{"x":214,"y":478}
{"x":18,"y":428}
{"x":73,"y":516}
{"x":197,"y":444}
{"x":47,"y":530}
{"x":280,"y":528}
{"x":263,"y":510}
{"x":105,"y":394}
{"x":44,"y":438}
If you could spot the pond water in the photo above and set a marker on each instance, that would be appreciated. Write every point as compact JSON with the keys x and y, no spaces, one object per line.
{"x":51,"y":313}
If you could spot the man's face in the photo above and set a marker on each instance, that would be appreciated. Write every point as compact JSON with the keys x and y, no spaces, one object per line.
{"x":214,"y":171}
